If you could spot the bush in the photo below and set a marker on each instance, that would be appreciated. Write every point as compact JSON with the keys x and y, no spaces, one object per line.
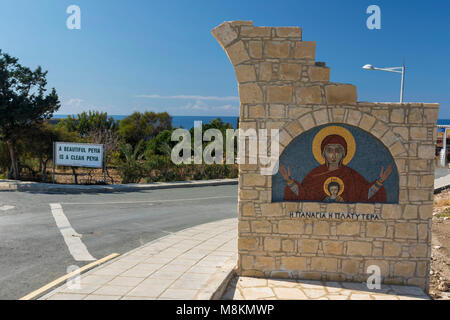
{"x":131,"y":169}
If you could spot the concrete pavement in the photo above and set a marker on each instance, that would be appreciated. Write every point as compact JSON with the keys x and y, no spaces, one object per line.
{"x":191,"y":264}
{"x":247,"y":288}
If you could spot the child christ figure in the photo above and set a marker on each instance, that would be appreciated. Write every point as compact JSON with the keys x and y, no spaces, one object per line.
{"x":333,"y":189}
{"x":357,"y":188}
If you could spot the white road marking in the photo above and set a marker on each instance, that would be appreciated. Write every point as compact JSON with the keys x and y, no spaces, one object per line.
{"x":73,"y":241}
{"x":5,"y":207}
{"x":146,"y":201}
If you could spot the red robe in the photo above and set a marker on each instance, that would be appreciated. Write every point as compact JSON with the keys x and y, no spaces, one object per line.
{"x":356,"y":188}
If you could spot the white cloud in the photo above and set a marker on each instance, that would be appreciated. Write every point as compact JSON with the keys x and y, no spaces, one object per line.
{"x":75,"y":102}
{"x":193,"y":97}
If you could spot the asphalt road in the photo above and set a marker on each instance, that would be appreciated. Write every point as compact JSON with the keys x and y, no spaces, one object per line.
{"x":33,"y":251}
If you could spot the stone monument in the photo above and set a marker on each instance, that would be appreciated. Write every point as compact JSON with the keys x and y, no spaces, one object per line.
{"x":354,"y":188}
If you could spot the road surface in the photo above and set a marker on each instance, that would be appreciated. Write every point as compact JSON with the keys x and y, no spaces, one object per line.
{"x":42,"y":234}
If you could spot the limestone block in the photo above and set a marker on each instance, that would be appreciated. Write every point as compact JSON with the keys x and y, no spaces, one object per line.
{"x":321,"y":228}
{"x":348,"y":228}
{"x":402,"y":132}
{"x":392,"y":249}
{"x":277,"y":49}
{"x":287,"y":245}
{"x":290,"y":227}
{"x":422,"y":231}
{"x":294,"y":128}
{"x":391,"y":211}
{"x":354,"y":116}
{"x":250,"y":93}
{"x":383,"y":265}
{"x":272,"y":244}
{"x":376,"y":229}
{"x":224,"y":34}
{"x":264,"y":263}
{"x":308,"y":245}
{"x":341,"y":94}
{"x":293,"y":263}
{"x":248,"y":210}
{"x":321,"y":74}
{"x":305,"y":50}
{"x":426,"y":152}
{"x":271,"y":209}
{"x":418,"y":195}
{"x":418,"y":133}
{"x":256,"y":111}
{"x":277,"y":111}
{"x":308,"y":95}
{"x":431,"y":115}
{"x":295,"y":111}
{"x":333,"y":247}
{"x":338,"y":114}
{"x":404,"y":268}
{"x":245,"y":73}
{"x":248,"y":194}
{"x":290,"y":71}
{"x":359,"y":248}
{"x":288,"y":32}
{"x":246,"y":261}
{"x":410,"y":212}
{"x":365,"y":208}
{"x":350,"y":266}
{"x":245,"y":243}
{"x":406,"y":230}
{"x":324,"y":264}
{"x":250,"y":31}
{"x":379,"y":129}
{"x":419,"y":251}
{"x":321,"y":116}
{"x":243,"y":226}
{"x":265,"y":71}
{"x":255,"y":49}
{"x":280,"y":94}
{"x":367,"y":122}
{"x":426,"y":211}
{"x":381,"y":114}
{"x":237,"y":53}
{"x":415,"y":115}
{"x":261,"y":226}
{"x":398,"y":115}
{"x":254,"y":180}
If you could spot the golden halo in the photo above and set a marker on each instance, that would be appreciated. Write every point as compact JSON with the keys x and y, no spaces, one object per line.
{"x":340,"y":131}
{"x":333,"y":179}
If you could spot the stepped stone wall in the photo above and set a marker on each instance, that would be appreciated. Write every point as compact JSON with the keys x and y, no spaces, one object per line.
{"x":281,"y":86}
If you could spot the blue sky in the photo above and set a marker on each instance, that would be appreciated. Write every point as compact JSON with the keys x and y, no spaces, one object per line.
{"x":164,"y":49}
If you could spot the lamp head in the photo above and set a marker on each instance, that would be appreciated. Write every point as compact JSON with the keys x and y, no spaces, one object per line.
{"x":368,"y":67}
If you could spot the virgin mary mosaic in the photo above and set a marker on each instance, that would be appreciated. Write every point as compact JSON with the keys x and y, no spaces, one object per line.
{"x":336,"y":163}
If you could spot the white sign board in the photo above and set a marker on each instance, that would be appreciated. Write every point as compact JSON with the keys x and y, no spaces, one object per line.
{"x":79,"y":154}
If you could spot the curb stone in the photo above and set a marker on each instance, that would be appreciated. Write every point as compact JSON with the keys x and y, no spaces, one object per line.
{"x":11,"y":185}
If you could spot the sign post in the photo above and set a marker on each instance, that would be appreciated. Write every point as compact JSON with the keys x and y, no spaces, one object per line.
{"x":78,"y":155}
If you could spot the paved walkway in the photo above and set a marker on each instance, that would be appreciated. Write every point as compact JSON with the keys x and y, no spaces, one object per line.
{"x":190,"y":264}
{"x":247,"y":288}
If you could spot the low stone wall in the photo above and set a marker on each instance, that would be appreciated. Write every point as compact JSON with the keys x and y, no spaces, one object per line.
{"x":282,"y":87}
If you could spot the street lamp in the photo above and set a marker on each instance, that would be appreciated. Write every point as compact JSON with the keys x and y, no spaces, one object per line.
{"x":393,"y":69}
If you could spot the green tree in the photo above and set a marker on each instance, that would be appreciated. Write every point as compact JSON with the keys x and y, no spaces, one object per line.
{"x":23,"y":102}
{"x":38,"y":142}
{"x":87,"y":122}
{"x":144,"y":126}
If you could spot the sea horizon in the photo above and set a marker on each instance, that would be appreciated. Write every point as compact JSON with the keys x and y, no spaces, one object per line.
{"x":187,"y":122}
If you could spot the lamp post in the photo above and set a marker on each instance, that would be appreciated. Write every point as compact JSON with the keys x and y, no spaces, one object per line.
{"x":393,"y":69}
